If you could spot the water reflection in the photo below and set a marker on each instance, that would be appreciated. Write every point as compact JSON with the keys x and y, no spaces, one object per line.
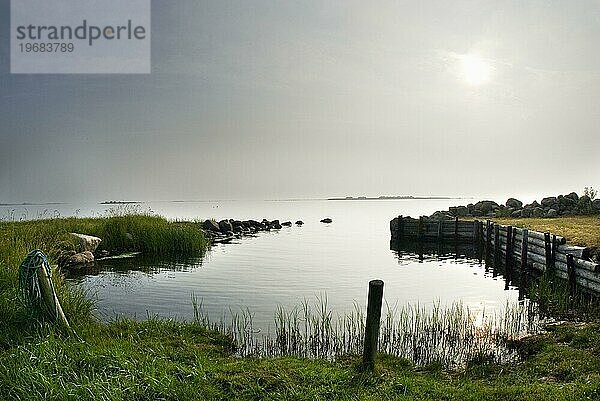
{"x":411,"y":251}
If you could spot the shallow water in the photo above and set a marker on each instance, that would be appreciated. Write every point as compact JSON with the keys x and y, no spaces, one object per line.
{"x":284,"y":267}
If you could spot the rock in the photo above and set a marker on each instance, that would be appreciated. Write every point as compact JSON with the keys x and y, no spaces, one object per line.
{"x":326,"y":220}
{"x":538,"y":212}
{"x":225,"y":226}
{"x":80,"y":259}
{"x":516,"y":213}
{"x":461,"y":211}
{"x":287,"y":223}
{"x":210,"y":225}
{"x":440,"y":216}
{"x":549,"y":201}
{"x":596,"y":204}
{"x":87,"y":242}
{"x":299,"y":222}
{"x":573,"y":196}
{"x":552,"y":213}
{"x":526,"y":213}
{"x":485,"y":206}
{"x":275,"y":224}
{"x":514,"y":203}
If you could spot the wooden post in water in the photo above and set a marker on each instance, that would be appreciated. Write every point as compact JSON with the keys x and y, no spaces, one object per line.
{"x":496,"y":245}
{"x":509,"y":250}
{"x":400,"y":227}
{"x":456,"y":230}
{"x":548,"y":251}
{"x":372,"y":326}
{"x":524,"y":250}
{"x":571,"y":274}
{"x":488,"y":239}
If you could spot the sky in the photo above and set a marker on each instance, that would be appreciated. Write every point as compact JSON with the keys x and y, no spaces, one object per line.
{"x":312,"y":99}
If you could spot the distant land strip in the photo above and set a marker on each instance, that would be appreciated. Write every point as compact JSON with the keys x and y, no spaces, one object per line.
{"x":383,"y":197}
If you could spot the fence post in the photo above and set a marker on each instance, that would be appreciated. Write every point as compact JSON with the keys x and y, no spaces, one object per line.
{"x":571,"y":274}
{"x":548,"y":251}
{"x":509,"y":250}
{"x":524,"y":250}
{"x":488,"y":239}
{"x":420,"y":229}
{"x":440,"y":230}
{"x":554,"y":249}
{"x":373,"y":320}
{"x":456,"y":229}
{"x":496,"y":245}
{"x":400,"y":227}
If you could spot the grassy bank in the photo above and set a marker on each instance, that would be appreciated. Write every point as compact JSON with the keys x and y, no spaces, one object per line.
{"x":578,"y":230}
{"x":160,"y":359}
{"x":173,"y":361}
{"x":143,"y":233}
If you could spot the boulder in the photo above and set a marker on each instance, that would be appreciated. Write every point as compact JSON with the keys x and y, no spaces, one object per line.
{"x":596,"y":204}
{"x":516,"y":213}
{"x":326,"y":220}
{"x":287,"y":223}
{"x":461,"y":211}
{"x":549,"y":201}
{"x":299,"y":222}
{"x":275,"y":224}
{"x":552,"y":213}
{"x":87,"y":243}
{"x":485,"y":206}
{"x":210,"y":225}
{"x":526,"y":212}
{"x":80,"y":259}
{"x":514,"y":203}
{"x":440,"y":216}
{"x":573,"y":196}
{"x":225,"y":226}
{"x":538,"y":212}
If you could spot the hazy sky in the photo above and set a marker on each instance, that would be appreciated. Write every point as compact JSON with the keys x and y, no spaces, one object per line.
{"x":282,"y":99}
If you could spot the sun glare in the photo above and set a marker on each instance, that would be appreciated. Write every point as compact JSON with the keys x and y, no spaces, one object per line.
{"x":474,"y":70}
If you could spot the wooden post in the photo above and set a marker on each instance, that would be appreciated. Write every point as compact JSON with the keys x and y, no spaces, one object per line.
{"x":440,"y":231}
{"x":571,"y":274}
{"x":524,"y":250}
{"x":488,"y":239}
{"x":554,"y":248}
{"x":456,"y":229}
{"x":400,"y":227}
{"x":50,"y":299}
{"x":509,"y":250}
{"x":548,"y":251}
{"x":496,"y":245}
{"x":372,"y":325}
{"x":420,"y":229}
{"x":476,"y":232}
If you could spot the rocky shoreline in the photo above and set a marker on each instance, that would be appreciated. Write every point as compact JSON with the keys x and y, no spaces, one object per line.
{"x":549,"y":207}
{"x":225,"y":231}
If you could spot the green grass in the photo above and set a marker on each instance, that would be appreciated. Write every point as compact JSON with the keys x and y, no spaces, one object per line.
{"x":578,"y":230}
{"x":162,"y":359}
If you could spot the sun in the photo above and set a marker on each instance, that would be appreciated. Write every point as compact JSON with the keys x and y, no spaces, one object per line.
{"x":475,"y":70}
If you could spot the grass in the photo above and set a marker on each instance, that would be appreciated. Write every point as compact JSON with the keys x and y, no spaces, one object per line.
{"x":578,"y":230}
{"x":163,"y":359}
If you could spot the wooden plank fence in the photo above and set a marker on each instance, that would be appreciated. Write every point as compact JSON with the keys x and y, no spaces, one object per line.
{"x":527,"y":250}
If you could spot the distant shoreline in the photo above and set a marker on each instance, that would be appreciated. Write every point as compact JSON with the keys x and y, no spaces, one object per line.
{"x":406,"y":197}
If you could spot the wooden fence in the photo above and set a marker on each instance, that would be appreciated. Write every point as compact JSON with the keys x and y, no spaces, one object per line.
{"x":515,"y":248}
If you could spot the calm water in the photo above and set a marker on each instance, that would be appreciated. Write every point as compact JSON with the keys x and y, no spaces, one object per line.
{"x":286,"y":266}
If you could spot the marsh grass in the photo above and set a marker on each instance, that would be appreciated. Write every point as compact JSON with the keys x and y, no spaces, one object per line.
{"x":152,"y":235}
{"x":451,"y":336}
